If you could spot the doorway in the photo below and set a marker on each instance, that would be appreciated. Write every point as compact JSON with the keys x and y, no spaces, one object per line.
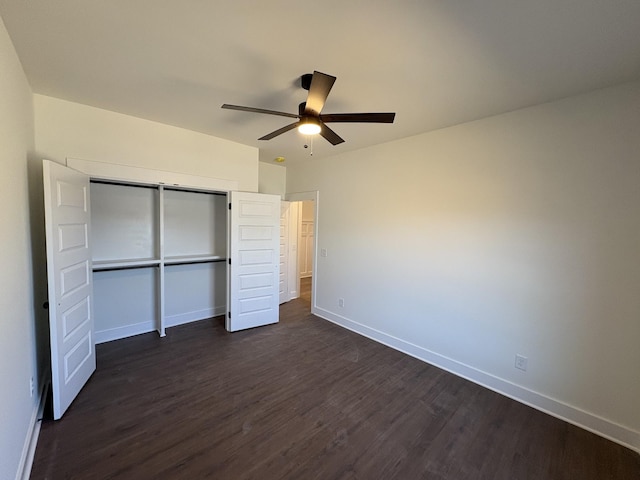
{"x":306,"y":241}
{"x":303,"y":220}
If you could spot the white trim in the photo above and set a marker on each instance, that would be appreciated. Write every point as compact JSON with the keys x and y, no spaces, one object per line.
{"x":130,"y":174}
{"x":110,"y":334}
{"x":182,"y":318}
{"x":31,"y":440}
{"x":160,"y":279}
{"x":293,"y":284}
{"x":556,"y":408}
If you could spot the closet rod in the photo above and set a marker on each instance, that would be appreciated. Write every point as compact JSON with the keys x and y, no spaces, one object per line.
{"x":169,"y":263}
{"x":124,"y":184}
{"x":177,"y":188}
{"x":127,"y":267}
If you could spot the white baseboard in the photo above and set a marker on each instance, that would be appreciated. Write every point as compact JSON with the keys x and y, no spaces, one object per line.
{"x":102,"y":336}
{"x":31,"y":440}
{"x":180,"y":319}
{"x":576,"y":416}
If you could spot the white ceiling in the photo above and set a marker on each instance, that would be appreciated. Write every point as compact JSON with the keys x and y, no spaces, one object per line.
{"x":436,"y":63}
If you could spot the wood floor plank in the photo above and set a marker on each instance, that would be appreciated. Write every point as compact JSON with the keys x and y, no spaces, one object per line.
{"x":303,"y":399}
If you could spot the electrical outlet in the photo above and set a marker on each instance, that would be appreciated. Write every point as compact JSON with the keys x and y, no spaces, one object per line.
{"x":32,"y":386}
{"x":341,"y":302}
{"x":323,"y":252}
{"x":521,"y":362}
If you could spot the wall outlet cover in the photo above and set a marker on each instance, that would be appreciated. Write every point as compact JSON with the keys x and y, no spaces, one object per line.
{"x":521,"y":362}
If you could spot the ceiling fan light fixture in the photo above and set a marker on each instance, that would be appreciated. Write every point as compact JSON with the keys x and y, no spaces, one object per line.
{"x":310,"y":120}
{"x":309,"y":127}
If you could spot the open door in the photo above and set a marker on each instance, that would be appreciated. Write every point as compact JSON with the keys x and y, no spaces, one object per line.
{"x":284,"y":252}
{"x":254,"y":256}
{"x":67,"y":225}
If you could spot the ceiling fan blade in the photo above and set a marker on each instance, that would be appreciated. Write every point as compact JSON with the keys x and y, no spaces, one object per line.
{"x":359,"y":117}
{"x":280,"y":131}
{"x":321,"y":84}
{"x":332,"y":137}
{"x":259,"y":110}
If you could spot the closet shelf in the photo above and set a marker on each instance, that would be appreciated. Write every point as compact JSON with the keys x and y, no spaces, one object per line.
{"x":186,"y":259}
{"x":128,"y":263}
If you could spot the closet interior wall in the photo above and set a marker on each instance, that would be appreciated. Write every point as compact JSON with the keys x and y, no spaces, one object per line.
{"x":159,"y":257}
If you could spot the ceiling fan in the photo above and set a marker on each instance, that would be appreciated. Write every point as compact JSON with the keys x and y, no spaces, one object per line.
{"x":310,"y":120}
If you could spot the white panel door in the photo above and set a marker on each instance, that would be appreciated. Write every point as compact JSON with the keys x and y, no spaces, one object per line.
{"x":284,"y":252}
{"x":306,"y":249}
{"x":254,"y":246}
{"x":67,"y":224}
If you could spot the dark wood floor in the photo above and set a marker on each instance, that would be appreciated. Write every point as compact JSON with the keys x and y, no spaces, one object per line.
{"x":305,"y":289}
{"x":303,"y":399}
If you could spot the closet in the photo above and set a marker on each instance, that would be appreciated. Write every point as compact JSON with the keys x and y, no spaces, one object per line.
{"x":159,"y":257}
{"x":133,"y":250}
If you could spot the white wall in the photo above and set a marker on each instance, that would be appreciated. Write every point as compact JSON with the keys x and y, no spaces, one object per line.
{"x":273,"y":179}
{"x":66,"y":129}
{"x":18,"y":355}
{"x":516,"y":234}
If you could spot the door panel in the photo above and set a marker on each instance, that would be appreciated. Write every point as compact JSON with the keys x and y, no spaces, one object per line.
{"x":254,"y":246}
{"x":306,"y":249}
{"x":67,"y":224}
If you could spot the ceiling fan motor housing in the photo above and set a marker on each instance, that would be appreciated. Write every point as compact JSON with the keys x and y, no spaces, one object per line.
{"x":305,"y":80}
